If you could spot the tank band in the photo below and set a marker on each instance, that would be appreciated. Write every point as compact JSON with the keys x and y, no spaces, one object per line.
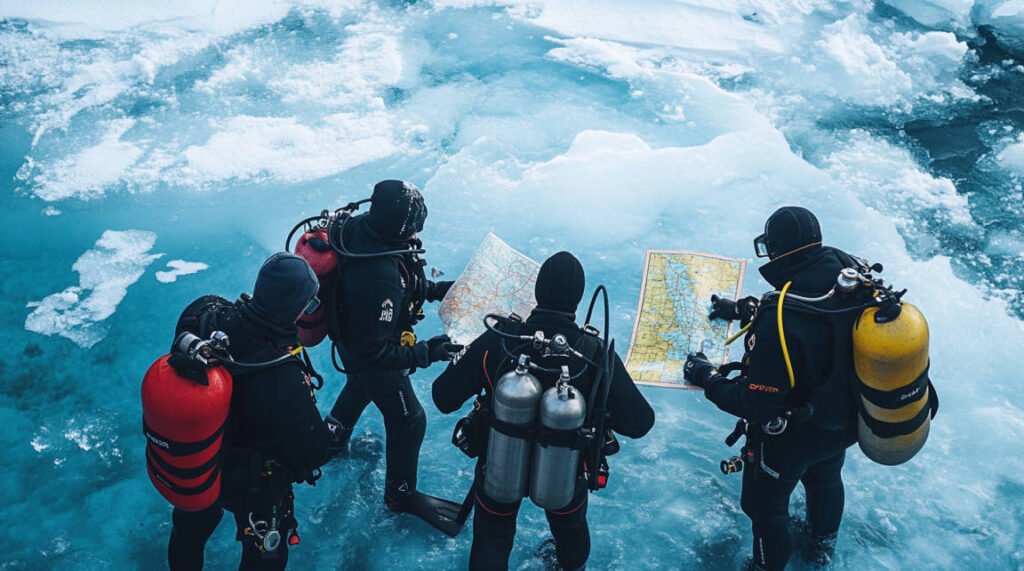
{"x":573,"y":439}
{"x":894,"y":429}
{"x":183,"y":490}
{"x":900,"y":397}
{"x":176,"y":448}
{"x":178,"y":472}
{"x":512,"y":430}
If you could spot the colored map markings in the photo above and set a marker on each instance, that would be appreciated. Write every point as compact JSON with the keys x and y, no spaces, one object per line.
{"x":671,"y":319}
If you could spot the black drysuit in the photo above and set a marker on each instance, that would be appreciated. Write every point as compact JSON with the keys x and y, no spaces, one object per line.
{"x":380,"y":299}
{"x":803,"y":453}
{"x":494,"y":523}
{"x":274,"y":437}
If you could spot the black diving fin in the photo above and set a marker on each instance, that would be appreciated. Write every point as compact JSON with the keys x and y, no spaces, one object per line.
{"x":442,"y":514}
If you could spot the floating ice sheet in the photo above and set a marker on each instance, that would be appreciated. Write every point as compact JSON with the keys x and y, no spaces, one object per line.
{"x":106,"y":271}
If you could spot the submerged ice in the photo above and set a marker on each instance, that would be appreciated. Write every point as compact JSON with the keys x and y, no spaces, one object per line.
{"x":603,"y":127}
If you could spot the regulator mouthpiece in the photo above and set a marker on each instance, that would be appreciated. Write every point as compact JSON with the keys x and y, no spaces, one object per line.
{"x":559,"y":345}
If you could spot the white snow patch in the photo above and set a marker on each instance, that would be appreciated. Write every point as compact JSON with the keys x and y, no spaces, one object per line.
{"x":283,"y":148}
{"x":887,"y":178}
{"x":97,"y":19}
{"x":179,"y":268}
{"x":1012,"y":157}
{"x":90,"y":172}
{"x":369,"y":59}
{"x":870,"y":75}
{"x":106,"y":271}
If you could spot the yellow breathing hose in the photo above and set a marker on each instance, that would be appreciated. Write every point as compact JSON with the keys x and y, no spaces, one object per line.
{"x":782,"y":337}
{"x":296,"y":350}
{"x":738,"y":334}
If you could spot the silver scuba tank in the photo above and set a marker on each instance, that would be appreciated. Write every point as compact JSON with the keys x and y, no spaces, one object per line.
{"x":555,"y":469}
{"x":508,"y":458}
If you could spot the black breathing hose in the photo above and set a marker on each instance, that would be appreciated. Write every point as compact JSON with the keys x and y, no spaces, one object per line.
{"x":305,"y":222}
{"x":528,"y":342}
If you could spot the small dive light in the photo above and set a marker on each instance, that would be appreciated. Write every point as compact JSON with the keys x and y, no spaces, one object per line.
{"x":733,"y":465}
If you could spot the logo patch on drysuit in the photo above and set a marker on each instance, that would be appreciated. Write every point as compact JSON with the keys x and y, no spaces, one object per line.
{"x":459,"y":355}
{"x":387,"y":311}
{"x":751,"y":341}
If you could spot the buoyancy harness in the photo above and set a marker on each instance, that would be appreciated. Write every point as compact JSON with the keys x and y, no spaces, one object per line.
{"x":186,"y":399}
{"x":540,"y":442}
{"x":878,"y":390}
{"x":322,"y":244}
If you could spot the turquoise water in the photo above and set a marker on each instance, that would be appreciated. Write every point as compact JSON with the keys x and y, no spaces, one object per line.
{"x":204,"y":133}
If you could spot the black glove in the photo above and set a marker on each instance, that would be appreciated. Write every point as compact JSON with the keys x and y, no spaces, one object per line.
{"x":698,"y":370}
{"x":729,"y":310}
{"x":437,"y":290}
{"x":439,"y":348}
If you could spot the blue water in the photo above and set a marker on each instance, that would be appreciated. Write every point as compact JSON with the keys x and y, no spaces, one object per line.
{"x":606,"y":130}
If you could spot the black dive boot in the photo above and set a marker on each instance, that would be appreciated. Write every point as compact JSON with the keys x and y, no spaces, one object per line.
{"x":822,"y":548}
{"x":340,"y":436}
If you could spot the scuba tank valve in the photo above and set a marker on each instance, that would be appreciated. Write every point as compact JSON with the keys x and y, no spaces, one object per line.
{"x":848,"y":280}
{"x":201,"y":350}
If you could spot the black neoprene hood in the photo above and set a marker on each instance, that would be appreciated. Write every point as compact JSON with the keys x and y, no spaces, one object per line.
{"x":397,"y":209}
{"x":791,"y":228}
{"x":560,"y":283}
{"x":285,"y":285}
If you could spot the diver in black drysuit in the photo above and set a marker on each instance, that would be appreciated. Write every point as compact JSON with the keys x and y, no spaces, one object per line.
{"x":802,"y":453}
{"x":381,"y":300}
{"x":275,"y":435}
{"x":559,"y":289}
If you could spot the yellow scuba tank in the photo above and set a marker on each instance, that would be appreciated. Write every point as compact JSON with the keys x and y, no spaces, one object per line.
{"x":890,"y":357}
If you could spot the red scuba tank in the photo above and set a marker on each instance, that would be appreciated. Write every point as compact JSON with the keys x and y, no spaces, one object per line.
{"x":184,"y":422}
{"x":315,"y":248}
{"x":313,"y":328}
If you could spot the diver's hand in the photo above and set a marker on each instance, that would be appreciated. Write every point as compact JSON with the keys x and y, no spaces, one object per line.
{"x":439,"y":348}
{"x":437,"y":290}
{"x":729,"y":310}
{"x":698,"y":370}
{"x":722,"y":308}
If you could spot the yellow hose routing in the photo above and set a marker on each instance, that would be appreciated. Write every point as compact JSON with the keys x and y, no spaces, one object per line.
{"x":738,"y":334}
{"x":782,"y":337}
{"x":296,"y":350}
